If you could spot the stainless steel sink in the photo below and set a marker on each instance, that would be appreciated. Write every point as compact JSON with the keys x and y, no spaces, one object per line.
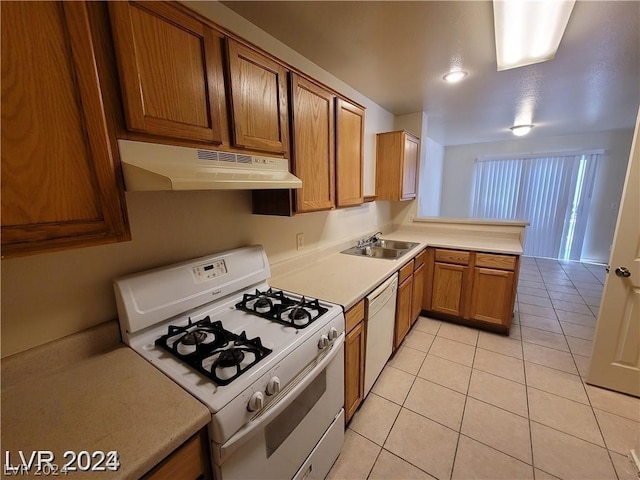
{"x":374,"y":252}
{"x":395,"y":244}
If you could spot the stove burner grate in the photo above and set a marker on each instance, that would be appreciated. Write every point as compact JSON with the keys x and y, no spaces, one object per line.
{"x":227,"y":349}
{"x":275,"y":305}
{"x":194,"y":338}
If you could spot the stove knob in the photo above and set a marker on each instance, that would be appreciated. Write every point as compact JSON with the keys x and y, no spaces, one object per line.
{"x":323,"y":342}
{"x":273,"y":386}
{"x":333,"y":333}
{"x":256,"y":402}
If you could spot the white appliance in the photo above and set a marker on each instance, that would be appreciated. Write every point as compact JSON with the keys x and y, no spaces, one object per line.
{"x":152,"y":166}
{"x":268,"y":364}
{"x":381,"y":317}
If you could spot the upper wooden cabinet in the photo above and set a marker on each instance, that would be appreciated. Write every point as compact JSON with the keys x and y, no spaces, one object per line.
{"x":396,"y":165}
{"x":171,"y":71}
{"x":313,"y":145}
{"x":60,"y":183}
{"x":327,"y":153}
{"x":258,"y":100}
{"x":349,"y":153}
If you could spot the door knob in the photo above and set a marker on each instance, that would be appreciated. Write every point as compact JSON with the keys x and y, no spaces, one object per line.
{"x":623,"y":272}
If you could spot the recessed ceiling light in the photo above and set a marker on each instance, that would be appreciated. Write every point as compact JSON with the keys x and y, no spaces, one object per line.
{"x":455,"y":76}
{"x":520,"y":130}
{"x":529,"y":32}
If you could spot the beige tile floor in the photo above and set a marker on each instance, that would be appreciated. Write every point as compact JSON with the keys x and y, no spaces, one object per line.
{"x":458,"y":403}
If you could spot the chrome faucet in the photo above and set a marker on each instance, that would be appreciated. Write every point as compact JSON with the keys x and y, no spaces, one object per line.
{"x":369,"y":240}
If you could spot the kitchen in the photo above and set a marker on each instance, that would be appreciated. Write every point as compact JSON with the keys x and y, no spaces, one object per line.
{"x":190,"y":224}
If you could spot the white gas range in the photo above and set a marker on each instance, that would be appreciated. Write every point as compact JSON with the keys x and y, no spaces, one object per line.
{"x":268,"y":364}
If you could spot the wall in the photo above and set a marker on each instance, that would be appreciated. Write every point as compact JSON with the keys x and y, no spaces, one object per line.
{"x":459,"y":161}
{"x":430,"y":186}
{"x":48,"y":296}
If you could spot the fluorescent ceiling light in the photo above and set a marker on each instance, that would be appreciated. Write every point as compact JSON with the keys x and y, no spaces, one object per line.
{"x":529,"y":31}
{"x":520,"y":130}
{"x":455,"y":76}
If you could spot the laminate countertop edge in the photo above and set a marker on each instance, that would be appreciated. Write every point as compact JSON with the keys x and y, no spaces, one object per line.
{"x":346,"y":279}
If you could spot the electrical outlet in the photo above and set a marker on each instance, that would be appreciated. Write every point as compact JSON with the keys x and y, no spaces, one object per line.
{"x":300,"y":241}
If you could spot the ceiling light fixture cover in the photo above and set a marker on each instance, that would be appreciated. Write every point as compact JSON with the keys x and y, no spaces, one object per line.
{"x":455,"y":76}
{"x":520,"y":130}
{"x":529,"y":31}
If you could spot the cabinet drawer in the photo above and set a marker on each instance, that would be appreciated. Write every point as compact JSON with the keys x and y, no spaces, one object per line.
{"x":502,"y":262}
{"x":354,"y":316}
{"x":405,"y":272}
{"x":419,"y":260}
{"x":452,"y":256}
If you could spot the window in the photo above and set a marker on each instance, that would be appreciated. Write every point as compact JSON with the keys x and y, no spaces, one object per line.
{"x":551,"y":192}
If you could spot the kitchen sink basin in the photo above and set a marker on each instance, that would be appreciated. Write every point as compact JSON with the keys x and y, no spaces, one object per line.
{"x":395,"y":244}
{"x":374,"y":252}
{"x":390,"y":249}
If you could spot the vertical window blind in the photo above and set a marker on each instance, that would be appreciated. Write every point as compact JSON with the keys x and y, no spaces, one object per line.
{"x":551,"y":192}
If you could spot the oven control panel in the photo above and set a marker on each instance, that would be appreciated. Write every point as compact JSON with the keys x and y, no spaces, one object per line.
{"x":208,"y":271}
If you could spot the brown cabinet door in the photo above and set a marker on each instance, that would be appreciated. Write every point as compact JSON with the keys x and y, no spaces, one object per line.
{"x":410,"y":167}
{"x":418,"y":289}
{"x":349,"y":153}
{"x":259,"y":106}
{"x":313,"y":145}
{"x":354,"y":355}
{"x":448,"y":287}
{"x":403,"y":310}
{"x":59,"y":183}
{"x":189,"y":461}
{"x":491,"y":296}
{"x":171,"y":71}
{"x":396,"y":165}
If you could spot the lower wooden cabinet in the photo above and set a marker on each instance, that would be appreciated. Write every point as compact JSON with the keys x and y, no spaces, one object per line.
{"x":418,"y":292}
{"x":354,"y":358}
{"x":447,"y":293}
{"x":475,"y":287}
{"x":190,"y":461}
{"x":491,"y":295}
{"x":403,"y":310}
{"x":403,"y":304}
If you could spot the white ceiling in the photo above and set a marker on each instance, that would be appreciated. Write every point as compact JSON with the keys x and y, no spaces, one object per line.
{"x":396,"y":52}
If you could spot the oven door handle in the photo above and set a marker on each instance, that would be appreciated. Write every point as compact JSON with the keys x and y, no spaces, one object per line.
{"x":288,"y":395}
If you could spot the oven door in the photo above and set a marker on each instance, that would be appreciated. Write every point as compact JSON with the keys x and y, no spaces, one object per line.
{"x":276,"y":443}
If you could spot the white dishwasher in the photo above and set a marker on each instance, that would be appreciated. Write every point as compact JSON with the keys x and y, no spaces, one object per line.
{"x":381,"y":308}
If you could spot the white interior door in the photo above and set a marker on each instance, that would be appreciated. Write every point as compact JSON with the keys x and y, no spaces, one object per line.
{"x":615,"y":362}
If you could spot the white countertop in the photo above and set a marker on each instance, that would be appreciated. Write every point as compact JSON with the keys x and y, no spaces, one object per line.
{"x":90,"y":392}
{"x":345,"y":279}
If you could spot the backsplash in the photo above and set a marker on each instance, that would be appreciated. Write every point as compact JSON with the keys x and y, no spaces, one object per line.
{"x":49,"y":296}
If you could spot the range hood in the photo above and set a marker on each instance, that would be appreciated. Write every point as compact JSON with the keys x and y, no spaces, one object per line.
{"x":153,"y":167}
